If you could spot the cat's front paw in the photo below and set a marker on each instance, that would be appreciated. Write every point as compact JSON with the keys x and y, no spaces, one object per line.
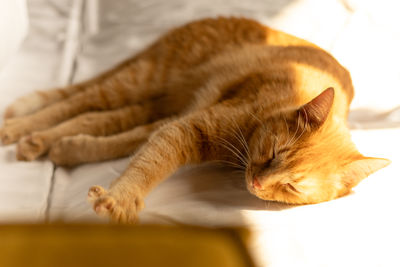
{"x":121,"y":207}
{"x":31,"y":147}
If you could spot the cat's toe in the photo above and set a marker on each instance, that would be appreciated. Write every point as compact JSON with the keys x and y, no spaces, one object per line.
{"x":118,"y":209}
{"x":94,"y":193}
{"x":31,"y":147}
{"x":105,"y":205}
{"x":108,"y":206}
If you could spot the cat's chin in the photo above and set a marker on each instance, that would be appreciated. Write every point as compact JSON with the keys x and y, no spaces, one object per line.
{"x":257,"y":192}
{"x":261,"y":194}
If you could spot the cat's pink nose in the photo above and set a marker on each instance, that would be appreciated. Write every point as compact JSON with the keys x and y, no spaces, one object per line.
{"x":256,"y":183}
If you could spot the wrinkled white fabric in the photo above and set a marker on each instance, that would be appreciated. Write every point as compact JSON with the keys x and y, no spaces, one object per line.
{"x":13,"y":28}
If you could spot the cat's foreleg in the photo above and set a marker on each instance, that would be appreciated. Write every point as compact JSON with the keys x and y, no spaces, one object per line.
{"x":171,"y":146}
{"x":192,"y":139}
{"x":100,"y":123}
{"x":73,"y":150}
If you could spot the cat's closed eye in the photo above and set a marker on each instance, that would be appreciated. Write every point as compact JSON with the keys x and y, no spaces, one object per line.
{"x":268,"y":163}
{"x":289,"y":187}
{"x":275,"y":154}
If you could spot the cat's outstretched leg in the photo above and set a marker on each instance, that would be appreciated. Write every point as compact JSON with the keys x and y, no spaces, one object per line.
{"x":39,"y":99}
{"x":90,"y":100}
{"x":100,"y":123}
{"x":186,"y":140}
{"x":16,"y":128}
{"x":74,"y":150}
{"x":169,"y":148}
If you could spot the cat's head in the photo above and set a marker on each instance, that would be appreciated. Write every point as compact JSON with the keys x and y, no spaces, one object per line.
{"x":304,"y":156}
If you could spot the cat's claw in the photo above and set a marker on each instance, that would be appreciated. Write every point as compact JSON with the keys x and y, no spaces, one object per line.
{"x":94,"y":193}
{"x":119,"y":209}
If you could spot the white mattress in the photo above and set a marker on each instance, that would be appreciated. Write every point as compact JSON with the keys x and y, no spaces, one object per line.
{"x":358,"y":230}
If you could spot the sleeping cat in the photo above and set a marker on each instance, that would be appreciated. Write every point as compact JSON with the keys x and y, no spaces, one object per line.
{"x":228,"y":90}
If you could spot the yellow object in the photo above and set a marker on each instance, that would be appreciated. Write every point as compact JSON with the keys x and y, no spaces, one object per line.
{"x":121,"y":245}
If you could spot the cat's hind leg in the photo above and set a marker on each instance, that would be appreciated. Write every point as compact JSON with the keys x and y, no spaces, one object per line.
{"x":93,"y":99}
{"x":32,"y":102}
{"x":74,"y":150}
{"x":124,"y":85}
{"x":101,"y":123}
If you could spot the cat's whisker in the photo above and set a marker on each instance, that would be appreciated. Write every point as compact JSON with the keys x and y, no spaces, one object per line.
{"x":287,"y":125}
{"x":273,"y":134}
{"x":232,"y":164}
{"x":267,"y":204}
{"x":233,"y":149}
{"x":242,"y":140}
{"x":237,"y":151}
{"x":242,"y":172}
{"x":289,"y":143}
{"x":245,"y":158}
{"x":304,"y":128}
{"x":238,"y":138}
{"x":258,"y":119}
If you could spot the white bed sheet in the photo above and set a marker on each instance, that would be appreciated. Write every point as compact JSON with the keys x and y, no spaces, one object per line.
{"x":25,"y":187}
{"x":358,"y":230}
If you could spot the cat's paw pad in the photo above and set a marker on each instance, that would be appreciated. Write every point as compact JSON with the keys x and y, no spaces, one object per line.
{"x":121,"y":209}
{"x":31,"y":147}
{"x":94,"y":193}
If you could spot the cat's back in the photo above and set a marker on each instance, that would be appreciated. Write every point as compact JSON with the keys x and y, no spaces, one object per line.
{"x":227,"y":57}
{"x":198,"y":41}
{"x":264,"y":74}
{"x":217,"y":39}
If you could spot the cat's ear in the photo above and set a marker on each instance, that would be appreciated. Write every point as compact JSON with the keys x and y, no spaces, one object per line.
{"x":359,"y":169}
{"x":316,"y":111}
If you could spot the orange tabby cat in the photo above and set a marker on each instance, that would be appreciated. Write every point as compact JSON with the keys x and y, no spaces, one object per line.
{"x":226,"y":89}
